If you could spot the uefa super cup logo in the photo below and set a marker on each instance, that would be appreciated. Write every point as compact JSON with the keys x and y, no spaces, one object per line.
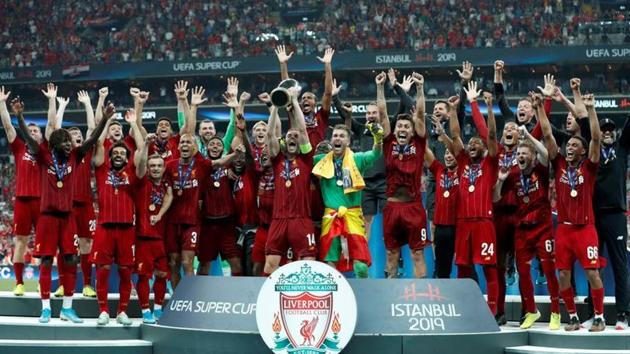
{"x":306,"y":307}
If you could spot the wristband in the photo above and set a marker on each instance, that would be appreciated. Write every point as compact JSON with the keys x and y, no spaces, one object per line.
{"x":305,"y":148}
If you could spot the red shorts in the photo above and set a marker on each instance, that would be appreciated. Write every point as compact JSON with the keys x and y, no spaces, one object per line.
{"x":475,"y":242}
{"x":217,"y":237}
{"x":25,"y":213}
{"x":150,"y":256}
{"x":55,"y":232}
{"x":576,"y":242}
{"x":114,"y":243}
{"x":534,"y":240}
{"x":405,"y":223}
{"x":299,"y":234}
{"x":181,"y":237}
{"x":83,"y":214}
{"x":258,"y":251}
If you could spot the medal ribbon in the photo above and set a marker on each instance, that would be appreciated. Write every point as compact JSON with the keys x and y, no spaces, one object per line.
{"x":287,"y":169}
{"x":572,"y":176}
{"x":447,"y":180}
{"x":508,"y":159}
{"x":472,"y":173}
{"x":235,"y":185}
{"x":310,"y":120}
{"x":608,"y":153}
{"x":338,"y":170}
{"x":161,"y":146}
{"x":402,"y":149}
{"x":216,"y":175}
{"x":525,"y":182}
{"x":114,"y":178}
{"x":184,"y":176}
{"x":60,"y":170}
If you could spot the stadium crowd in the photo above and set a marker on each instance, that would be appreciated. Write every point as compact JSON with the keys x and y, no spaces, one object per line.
{"x":48,"y":32}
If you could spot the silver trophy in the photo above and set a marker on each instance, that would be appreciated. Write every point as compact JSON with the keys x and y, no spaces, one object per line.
{"x":280,"y":96}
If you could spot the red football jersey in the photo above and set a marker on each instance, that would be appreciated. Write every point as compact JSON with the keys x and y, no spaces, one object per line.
{"x":317,"y":127}
{"x":257,"y":152}
{"x":82,"y":180}
{"x":317,"y":200}
{"x":149,"y":196}
{"x":116,"y":194}
{"x":507,"y":160}
{"x":244,"y":190}
{"x":446,"y":194}
{"x":574,"y":190}
{"x":191,"y":183}
{"x":57,"y":191}
{"x":292,"y":197}
{"x":128,"y":140}
{"x":266,"y":187}
{"x":476,"y":182}
{"x":404,"y":165}
{"x":217,"y":197}
{"x":167,"y":149}
{"x":531,"y":193}
{"x":27,"y":170}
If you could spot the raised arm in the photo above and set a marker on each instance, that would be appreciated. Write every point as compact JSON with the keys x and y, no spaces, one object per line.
{"x":558,"y":96}
{"x":406,"y":103}
{"x":51,"y":94}
{"x":272,"y":132}
{"x":493,"y":145}
{"x":346,"y":115}
{"x":594,"y":147}
{"x":181,"y":91}
{"x":499,"y":91}
{"x":442,"y":136}
{"x":197,"y":98}
{"x":132,"y":119}
{"x":227,"y":159}
{"x":63,"y":103}
{"x":84,"y":98}
{"x":283,"y":59}
{"x":141,"y":156}
{"x":108,"y":113}
{"x":418,"y":117}
{"x":18,"y":108}
{"x":139,"y":99}
{"x":6,"y":117}
{"x":580,"y":108}
{"x":328,"y":78}
{"x":297,"y":118}
{"x":541,"y":150}
{"x":102,"y":95}
{"x":465,"y":75}
{"x":456,"y":132}
{"x":382,"y":104}
{"x":545,"y":125}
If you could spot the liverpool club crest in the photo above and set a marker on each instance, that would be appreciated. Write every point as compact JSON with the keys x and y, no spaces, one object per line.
{"x":306,"y":307}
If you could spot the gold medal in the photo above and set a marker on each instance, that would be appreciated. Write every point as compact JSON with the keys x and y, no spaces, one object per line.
{"x":288,"y":183}
{"x":574,"y":193}
{"x":180,"y":192}
{"x":116,"y":191}
{"x":471,"y":189}
{"x":59,"y":184}
{"x":525,"y":199}
{"x":217,"y":184}
{"x":400,"y":157}
{"x":340,"y":183}
{"x":446,"y":194}
{"x":152,"y":207}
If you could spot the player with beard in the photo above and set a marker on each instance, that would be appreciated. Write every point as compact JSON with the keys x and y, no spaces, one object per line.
{"x":114,"y":131}
{"x":55,"y":226}
{"x":27,"y":189}
{"x":576,"y":237}
{"x":343,"y":243}
{"x":529,"y":183}
{"x":153,"y":199}
{"x":83,"y":204}
{"x":404,"y":217}
{"x":218,"y":227}
{"x":446,"y":196}
{"x":116,"y":183}
{"x":291,"y":224}
{"x":505,"y":207}
{"x":475,"y":239}
{"x":316,"y":122}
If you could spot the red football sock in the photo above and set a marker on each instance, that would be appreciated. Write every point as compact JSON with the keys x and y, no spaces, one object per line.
{"x":597,"y":296}
{"x":526,"y":286}
{"x":18,"y":269}
{"x":549,"y":269}
{"x":159,"y":290}
{"x":102,"y":286}
{"x":60,"y":268}
{"x":125,"y":288}
{"x":69,"y":279}
{"x":464,"y":271}
{"x":569,"y":302}
{"x":86,"y":269}
{"x":142,"y":287}
{"x":45,"y":280}
{"x":501,"y":289}
{"x":492,"y":285}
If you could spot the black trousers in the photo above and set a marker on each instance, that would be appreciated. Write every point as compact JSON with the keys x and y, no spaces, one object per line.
{"x":613,"y":235}
{"x":444,"y":240}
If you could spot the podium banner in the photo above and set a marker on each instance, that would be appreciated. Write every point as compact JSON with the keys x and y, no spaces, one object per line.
{"x":385,"y":306}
